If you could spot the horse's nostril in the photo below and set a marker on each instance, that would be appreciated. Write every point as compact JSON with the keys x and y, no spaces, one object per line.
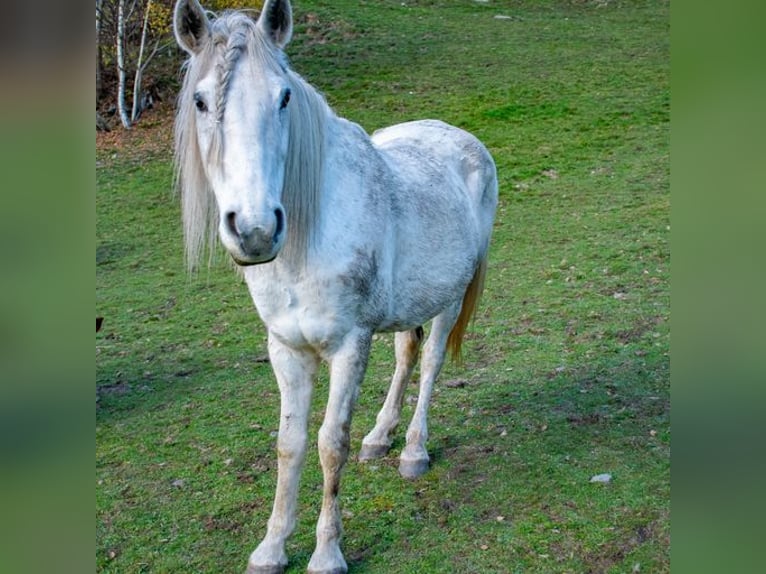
{"x":280,"y":215}
{"x":231,"y":222}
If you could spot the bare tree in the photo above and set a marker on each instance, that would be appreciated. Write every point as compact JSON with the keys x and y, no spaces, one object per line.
{"x":121,"y":71}
{"x":99,"y":57}
{"x":140,"y":65}
{"x":126,"y":39}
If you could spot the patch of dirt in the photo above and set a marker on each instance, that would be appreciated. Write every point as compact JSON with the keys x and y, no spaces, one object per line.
{"x":109,"y":252}
{"x":318,"y":32}
{"x":584,"y":420}
{"x":455,"y":383}
{"x":151,"y":137}
{"x":233,"y":519}
{"x":637,"y":332}
{"x":118,"y":388}
{"x":613,"y":554}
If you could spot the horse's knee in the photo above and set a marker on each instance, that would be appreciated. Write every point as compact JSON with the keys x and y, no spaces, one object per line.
{"x":291,"y":446}
{"x":333,"y":446}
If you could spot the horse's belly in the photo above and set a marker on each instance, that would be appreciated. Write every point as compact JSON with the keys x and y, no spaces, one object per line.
{"x":417,"y":298}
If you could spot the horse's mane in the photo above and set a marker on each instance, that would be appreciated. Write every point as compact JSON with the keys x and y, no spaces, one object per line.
{"x":233,"y":34}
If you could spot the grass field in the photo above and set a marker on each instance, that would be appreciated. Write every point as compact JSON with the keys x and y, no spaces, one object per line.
{"x":566,"y":371}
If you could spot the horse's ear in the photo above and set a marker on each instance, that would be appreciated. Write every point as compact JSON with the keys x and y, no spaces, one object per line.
{"x":190,"y":25}
{"x":276,"y":21}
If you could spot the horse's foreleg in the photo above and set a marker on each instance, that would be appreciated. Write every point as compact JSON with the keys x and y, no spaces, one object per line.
{"x":347,"y":367}
{"x":413,"y":461}
{"x":295,"y":374}
{"x":378,"y":441}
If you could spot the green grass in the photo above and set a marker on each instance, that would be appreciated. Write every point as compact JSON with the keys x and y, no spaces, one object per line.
{"x":566,"y":368}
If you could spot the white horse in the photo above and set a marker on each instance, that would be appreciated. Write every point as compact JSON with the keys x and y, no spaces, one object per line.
{"x":339,"y":235}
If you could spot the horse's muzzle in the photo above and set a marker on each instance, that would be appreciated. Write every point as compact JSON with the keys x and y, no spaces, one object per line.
{"x":250,"y":242}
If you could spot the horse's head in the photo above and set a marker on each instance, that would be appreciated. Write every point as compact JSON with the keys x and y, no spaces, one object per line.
{"x":236,"y":100}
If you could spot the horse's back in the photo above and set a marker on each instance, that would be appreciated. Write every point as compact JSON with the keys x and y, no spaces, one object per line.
{"x":440,"y":146}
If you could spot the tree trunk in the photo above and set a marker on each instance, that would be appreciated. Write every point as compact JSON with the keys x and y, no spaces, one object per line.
{"x":137,"y":105}
{"x":121,"y":72}
{"x":99,"y":57}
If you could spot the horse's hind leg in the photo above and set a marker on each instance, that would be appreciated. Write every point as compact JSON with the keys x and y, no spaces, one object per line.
{"x":413,"y":461}
{"x":378,"y":440}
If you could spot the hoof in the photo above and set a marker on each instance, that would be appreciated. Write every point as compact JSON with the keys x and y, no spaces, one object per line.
{"x":328,"y":560}
{"x":268,"y":558}
{"x":373,"y":451}
{"x":270,"y":569}
{"x":413,"y":468}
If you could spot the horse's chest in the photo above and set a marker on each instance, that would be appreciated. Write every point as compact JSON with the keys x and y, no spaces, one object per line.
{"x":305,"y":314}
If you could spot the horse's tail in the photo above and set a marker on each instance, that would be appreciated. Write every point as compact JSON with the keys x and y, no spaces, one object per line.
{"x":467,"y":311}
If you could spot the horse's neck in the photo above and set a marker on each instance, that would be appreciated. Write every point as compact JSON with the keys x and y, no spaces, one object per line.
{"x":337,"y":151}
{"x":350,"y":149}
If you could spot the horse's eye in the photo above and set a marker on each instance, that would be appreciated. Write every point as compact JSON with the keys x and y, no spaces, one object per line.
{"x":285,"y":99}
{"x":200,"y":103}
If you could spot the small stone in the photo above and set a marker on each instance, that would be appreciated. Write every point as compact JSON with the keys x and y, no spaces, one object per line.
{"x":602,"y":478}
{"x":178,"y":483}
